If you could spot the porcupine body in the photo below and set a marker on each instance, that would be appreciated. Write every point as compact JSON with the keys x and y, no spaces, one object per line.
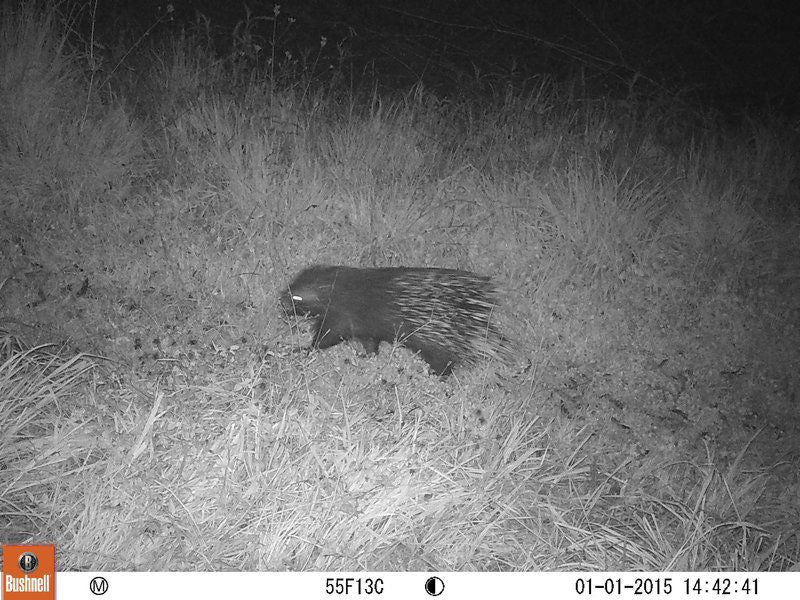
{"x":443,"y":314}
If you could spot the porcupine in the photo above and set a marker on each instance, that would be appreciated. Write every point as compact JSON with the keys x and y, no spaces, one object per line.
{"x":443,"y":314}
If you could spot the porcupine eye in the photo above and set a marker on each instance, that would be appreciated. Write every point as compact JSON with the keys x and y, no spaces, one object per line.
{"x":293,"y":303}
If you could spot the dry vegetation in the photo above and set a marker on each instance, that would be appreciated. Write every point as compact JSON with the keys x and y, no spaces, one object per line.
{"x":154,"y":416}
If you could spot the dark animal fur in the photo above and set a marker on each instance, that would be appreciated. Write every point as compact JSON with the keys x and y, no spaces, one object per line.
{"x":441,"y":313}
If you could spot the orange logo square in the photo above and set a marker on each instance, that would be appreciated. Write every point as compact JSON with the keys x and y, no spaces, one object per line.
{"x":29,"y":572}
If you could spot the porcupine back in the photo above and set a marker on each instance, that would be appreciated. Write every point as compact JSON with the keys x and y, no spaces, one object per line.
{"x":444,"y":314}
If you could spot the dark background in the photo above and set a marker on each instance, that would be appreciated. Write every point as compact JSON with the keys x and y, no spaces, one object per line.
{"x":730,"y":54}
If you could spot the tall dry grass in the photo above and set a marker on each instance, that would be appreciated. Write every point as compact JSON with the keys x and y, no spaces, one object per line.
{"x":206,"y":444}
